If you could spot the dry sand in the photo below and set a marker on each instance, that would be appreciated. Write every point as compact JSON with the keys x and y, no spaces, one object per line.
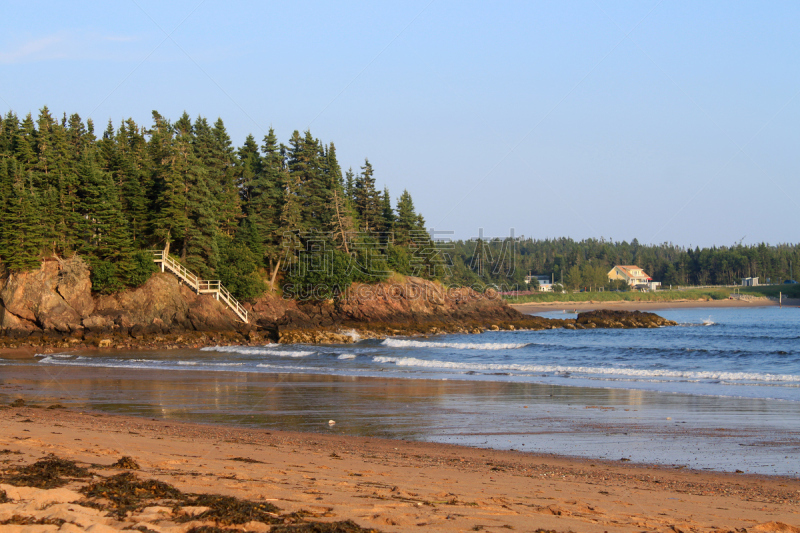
{"x":544,"y":307}
{"x":383,"y":484}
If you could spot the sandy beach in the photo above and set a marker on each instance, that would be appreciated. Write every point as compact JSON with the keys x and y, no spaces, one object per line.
{"x":387,"y":485}
{"x":544,"y":307}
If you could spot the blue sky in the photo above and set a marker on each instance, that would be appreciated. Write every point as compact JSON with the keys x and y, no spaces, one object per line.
{"x":663,"y":121}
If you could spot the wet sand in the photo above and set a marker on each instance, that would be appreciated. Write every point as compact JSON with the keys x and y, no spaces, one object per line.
{"x":545,"y":307}
{"x":682,"y":430}
{"x":395,"y":485}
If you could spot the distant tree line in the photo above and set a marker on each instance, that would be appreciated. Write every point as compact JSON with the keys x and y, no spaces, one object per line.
{"x":586,"y":263}
{"x":254,"y":216}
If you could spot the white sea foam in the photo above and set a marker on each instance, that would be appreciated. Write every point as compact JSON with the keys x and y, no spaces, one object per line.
{"x":347,"y":356}
{"x":255,"y":350}
{"x":405,"y":343}
{"x":702,"y":375}
{"x":54,"y":355}
{"x":198,"y":363}
{"x":353,"y":334}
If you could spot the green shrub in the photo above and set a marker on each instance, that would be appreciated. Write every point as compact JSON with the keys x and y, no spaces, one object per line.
{"x":104,"y":277}
{"x":142,"y":267}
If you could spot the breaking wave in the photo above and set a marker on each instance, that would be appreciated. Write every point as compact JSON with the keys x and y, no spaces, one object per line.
{"x":405,"y":343}
{"x":255,"y":350}
{"x":633,"y":372}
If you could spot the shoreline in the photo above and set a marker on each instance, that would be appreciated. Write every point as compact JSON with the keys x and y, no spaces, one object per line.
{"x":394,"y":485}
{"x":647,"y":306}
{"x":707,"y":432}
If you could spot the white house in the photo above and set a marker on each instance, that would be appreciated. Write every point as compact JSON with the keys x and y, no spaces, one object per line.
{"x":545,"y":283}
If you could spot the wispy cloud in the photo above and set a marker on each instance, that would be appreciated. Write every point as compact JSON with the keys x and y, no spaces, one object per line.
{"x":66,"y":46}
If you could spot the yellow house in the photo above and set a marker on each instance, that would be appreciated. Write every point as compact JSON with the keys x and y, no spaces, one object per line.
{"x":631,"y":274}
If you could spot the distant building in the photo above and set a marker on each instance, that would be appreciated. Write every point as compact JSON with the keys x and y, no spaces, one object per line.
{"x":545,"y":283}
{"x":630,"y":274}
{"x":749,"y":282}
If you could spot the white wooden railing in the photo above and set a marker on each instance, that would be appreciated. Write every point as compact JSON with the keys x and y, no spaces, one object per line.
{"x":200,"y":286}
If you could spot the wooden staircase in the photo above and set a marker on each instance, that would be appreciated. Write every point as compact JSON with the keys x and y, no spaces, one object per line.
{"x":200,"y":286}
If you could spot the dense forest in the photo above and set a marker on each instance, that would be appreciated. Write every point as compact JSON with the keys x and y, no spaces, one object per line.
{"x":506,"y":262}
{"x":275,"y":217}
{"x":257,"y":217}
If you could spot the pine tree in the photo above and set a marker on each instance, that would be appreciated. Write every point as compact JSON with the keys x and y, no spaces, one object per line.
{"x":169,"y":220}
{"x":407,"y":220}
{"x":367,"y":199}
{"x":131,"y":176}
{"x":350,"y":185}
{"x":387,"y":213}
{"x":104,"y":232}
{"x":22,"y":241}
{"x":199,"y":249}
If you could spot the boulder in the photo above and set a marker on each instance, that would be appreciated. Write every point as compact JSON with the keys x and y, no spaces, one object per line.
{"x":75,"y":286}
{"x":15,"y":327}
{"x":32,"y":296}
{"x":207,"y":314}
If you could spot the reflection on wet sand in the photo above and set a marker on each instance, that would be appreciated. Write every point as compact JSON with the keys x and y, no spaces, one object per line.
{"x":700,"y":431}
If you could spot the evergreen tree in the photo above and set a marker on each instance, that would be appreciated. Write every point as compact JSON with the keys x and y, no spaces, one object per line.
{"x":22,"y":240}
{"x":366,"y":199}
{"x":387,"y":213}
{"x":407,"y":220}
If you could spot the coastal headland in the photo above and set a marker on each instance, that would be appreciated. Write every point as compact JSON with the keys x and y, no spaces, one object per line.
{"x":54,"y":308}
{"x":299,"y":482}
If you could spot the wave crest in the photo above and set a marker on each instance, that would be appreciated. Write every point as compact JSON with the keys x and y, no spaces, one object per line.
{"x":405,"y":343}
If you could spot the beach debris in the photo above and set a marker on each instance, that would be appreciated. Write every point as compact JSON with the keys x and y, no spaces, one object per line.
{"x":4,"y":497}
{"x":49,"y":473}
{"x":126,"y":492}
{"x":19,"y":402}
{"x":346,"y":526}
{"x":18,"y":520}
{"x":211,"y":529}
{"x":245,"y":460}
{"x":127,"y":463}
{"x":775,"y":527}
{"x":56,"y":406}
{"x":227,"y":510}
{"x":331,"y":422}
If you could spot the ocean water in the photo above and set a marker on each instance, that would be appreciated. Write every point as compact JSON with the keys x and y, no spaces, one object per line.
{"x":720,"y":391}
{"x":750,"y":352}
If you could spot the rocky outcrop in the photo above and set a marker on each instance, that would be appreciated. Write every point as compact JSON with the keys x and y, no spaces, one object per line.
{"x":55,"y":305}
{"x":621,"y":319}
{"x":56,"y":301}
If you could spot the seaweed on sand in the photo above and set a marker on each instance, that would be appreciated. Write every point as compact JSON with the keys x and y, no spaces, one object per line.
{"x":18,"y":520}
{"x":125,"y":492}
{"x":213,"y":529}
{"x":4,"y":497}
{"x":346,"y":526}
{"x":127,"y":463}
{"x":48,"y":473}
{"x":227,"y":510}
